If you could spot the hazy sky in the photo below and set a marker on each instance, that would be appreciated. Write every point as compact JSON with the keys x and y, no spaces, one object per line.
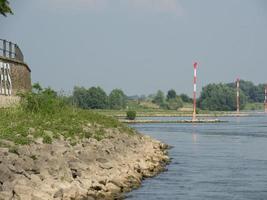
{"x":140,"y":46}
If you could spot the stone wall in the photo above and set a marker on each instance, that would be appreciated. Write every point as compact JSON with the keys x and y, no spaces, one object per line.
{"x":20,"y":75}
{"x":91,"y":169}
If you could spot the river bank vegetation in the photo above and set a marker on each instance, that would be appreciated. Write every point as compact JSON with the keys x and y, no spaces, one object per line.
{"x":50,"y":149}
{"x":97,"y":98}
{"x":214,"y":99}
{"x":222,"y":97}
{"x":44,"y":114}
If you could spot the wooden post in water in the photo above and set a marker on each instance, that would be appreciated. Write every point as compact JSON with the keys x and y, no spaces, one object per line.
{"x":195,"y":93}
{"x":237,"y":96}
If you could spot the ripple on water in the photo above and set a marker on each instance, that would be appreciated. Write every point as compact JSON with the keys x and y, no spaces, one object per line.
{"x":210,"y":161}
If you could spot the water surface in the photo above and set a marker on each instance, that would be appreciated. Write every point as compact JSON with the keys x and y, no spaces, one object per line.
{"x":210,"y":161}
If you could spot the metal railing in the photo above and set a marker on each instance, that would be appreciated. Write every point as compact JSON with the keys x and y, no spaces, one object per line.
{"x":10,"y":50}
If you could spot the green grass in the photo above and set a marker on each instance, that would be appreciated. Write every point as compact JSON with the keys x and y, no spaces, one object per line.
{"x":143,"y":113}
{"x":22,"y":127}
{"x":254,"y":106}
{"x":185,"y":111}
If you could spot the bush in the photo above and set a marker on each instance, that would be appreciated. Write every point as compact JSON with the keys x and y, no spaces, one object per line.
{"x":220,"y":97}
{"x":185,"y":98}
{"x":131,"y":115}
{"x":47,"y":139}
{"x":41,"y":100}
{"x":92,"y":98}
{"x":175,"y":103}
{"x":159,"y":98}
{"x":171,"y":94}
{"x":117,"y":99}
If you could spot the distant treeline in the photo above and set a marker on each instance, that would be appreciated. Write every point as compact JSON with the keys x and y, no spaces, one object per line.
{"x":96,"y":98}
{"x":222,"y":97}
{"x":214,"y":97}
{"x":171,"y":101}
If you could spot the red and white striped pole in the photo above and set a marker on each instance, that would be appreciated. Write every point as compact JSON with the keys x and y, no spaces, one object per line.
{"x":195,"y":93}
{"x":265,"y":100}
{"x":237,"y":96}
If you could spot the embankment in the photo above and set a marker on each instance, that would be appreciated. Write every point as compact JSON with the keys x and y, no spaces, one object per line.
{"x":88,"y":169}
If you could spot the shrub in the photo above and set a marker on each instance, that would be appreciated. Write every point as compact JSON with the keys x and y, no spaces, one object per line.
{"x":185,"y":98}
{"x":131,"y":115}
{"x":171,"y":94}
{"x":174,"y":103}
{"x":220,"y":97}
{"x":47,"y":139}
{"x":117,"y":99}
{"x":41,"y":100}
{"x":93,"y":98}
{"x":159,"y":98}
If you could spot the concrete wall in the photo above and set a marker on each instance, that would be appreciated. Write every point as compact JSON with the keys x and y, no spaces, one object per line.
{"x":20,"y":75}
{"x":9,"y":101}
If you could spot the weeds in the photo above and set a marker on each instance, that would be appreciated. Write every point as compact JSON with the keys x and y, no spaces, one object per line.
{"x":47,"y":139}
{"x":43,"y":111}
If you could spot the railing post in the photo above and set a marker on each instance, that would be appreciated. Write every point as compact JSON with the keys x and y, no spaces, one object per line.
{"x":10,"y":50}
{"x":16,"y":52}
{"x":1,"y":44}
{"x":4,"y":48}
{"x":19,"y":54}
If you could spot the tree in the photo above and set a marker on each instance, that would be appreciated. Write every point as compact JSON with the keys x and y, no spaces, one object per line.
{"x":96,"y":98}
{"x":254,"y":93}
{"x":171,"y":94}
{"x":174,"y":103}
{"x":220,"y":97}
{"x":4,"y":7}
{"x":259,"y":91}
{"x":80,"y":97}
{"x":117,"y":99}
{"x":159,"y":99}
{"x":185,"y":98}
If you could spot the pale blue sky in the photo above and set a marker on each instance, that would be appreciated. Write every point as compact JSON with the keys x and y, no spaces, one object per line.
{"x":140,"y":46}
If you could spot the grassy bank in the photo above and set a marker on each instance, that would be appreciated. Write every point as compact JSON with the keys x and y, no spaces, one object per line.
{"x":22,"y":127}
{"x":186,"y":111}
{"x":63,"y":161}
{"x":254,"y":106}
{"x":163,"y":113}
{"x":43,"y":114}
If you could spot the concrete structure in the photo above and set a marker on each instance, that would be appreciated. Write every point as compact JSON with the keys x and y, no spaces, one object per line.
{"x":15,"y":74}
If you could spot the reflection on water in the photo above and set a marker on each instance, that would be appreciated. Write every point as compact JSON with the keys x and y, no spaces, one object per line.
{"x":194,"y":136}
{"x":210,"y":161}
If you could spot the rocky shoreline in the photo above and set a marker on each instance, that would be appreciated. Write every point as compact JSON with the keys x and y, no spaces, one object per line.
{"x":90,"y":169}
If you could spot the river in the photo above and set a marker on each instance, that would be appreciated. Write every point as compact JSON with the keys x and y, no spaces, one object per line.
{"x":210,"y":161}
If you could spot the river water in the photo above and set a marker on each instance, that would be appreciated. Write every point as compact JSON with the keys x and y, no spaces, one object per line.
{"x":225,"y":161}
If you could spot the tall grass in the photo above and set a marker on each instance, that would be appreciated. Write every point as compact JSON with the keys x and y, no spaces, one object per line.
{"x":44,"y":114}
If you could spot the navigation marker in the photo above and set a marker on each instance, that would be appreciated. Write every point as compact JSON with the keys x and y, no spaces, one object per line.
{"x":237,"y":96}
{"x":195,"y":92}
{"x":265,"y":99}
